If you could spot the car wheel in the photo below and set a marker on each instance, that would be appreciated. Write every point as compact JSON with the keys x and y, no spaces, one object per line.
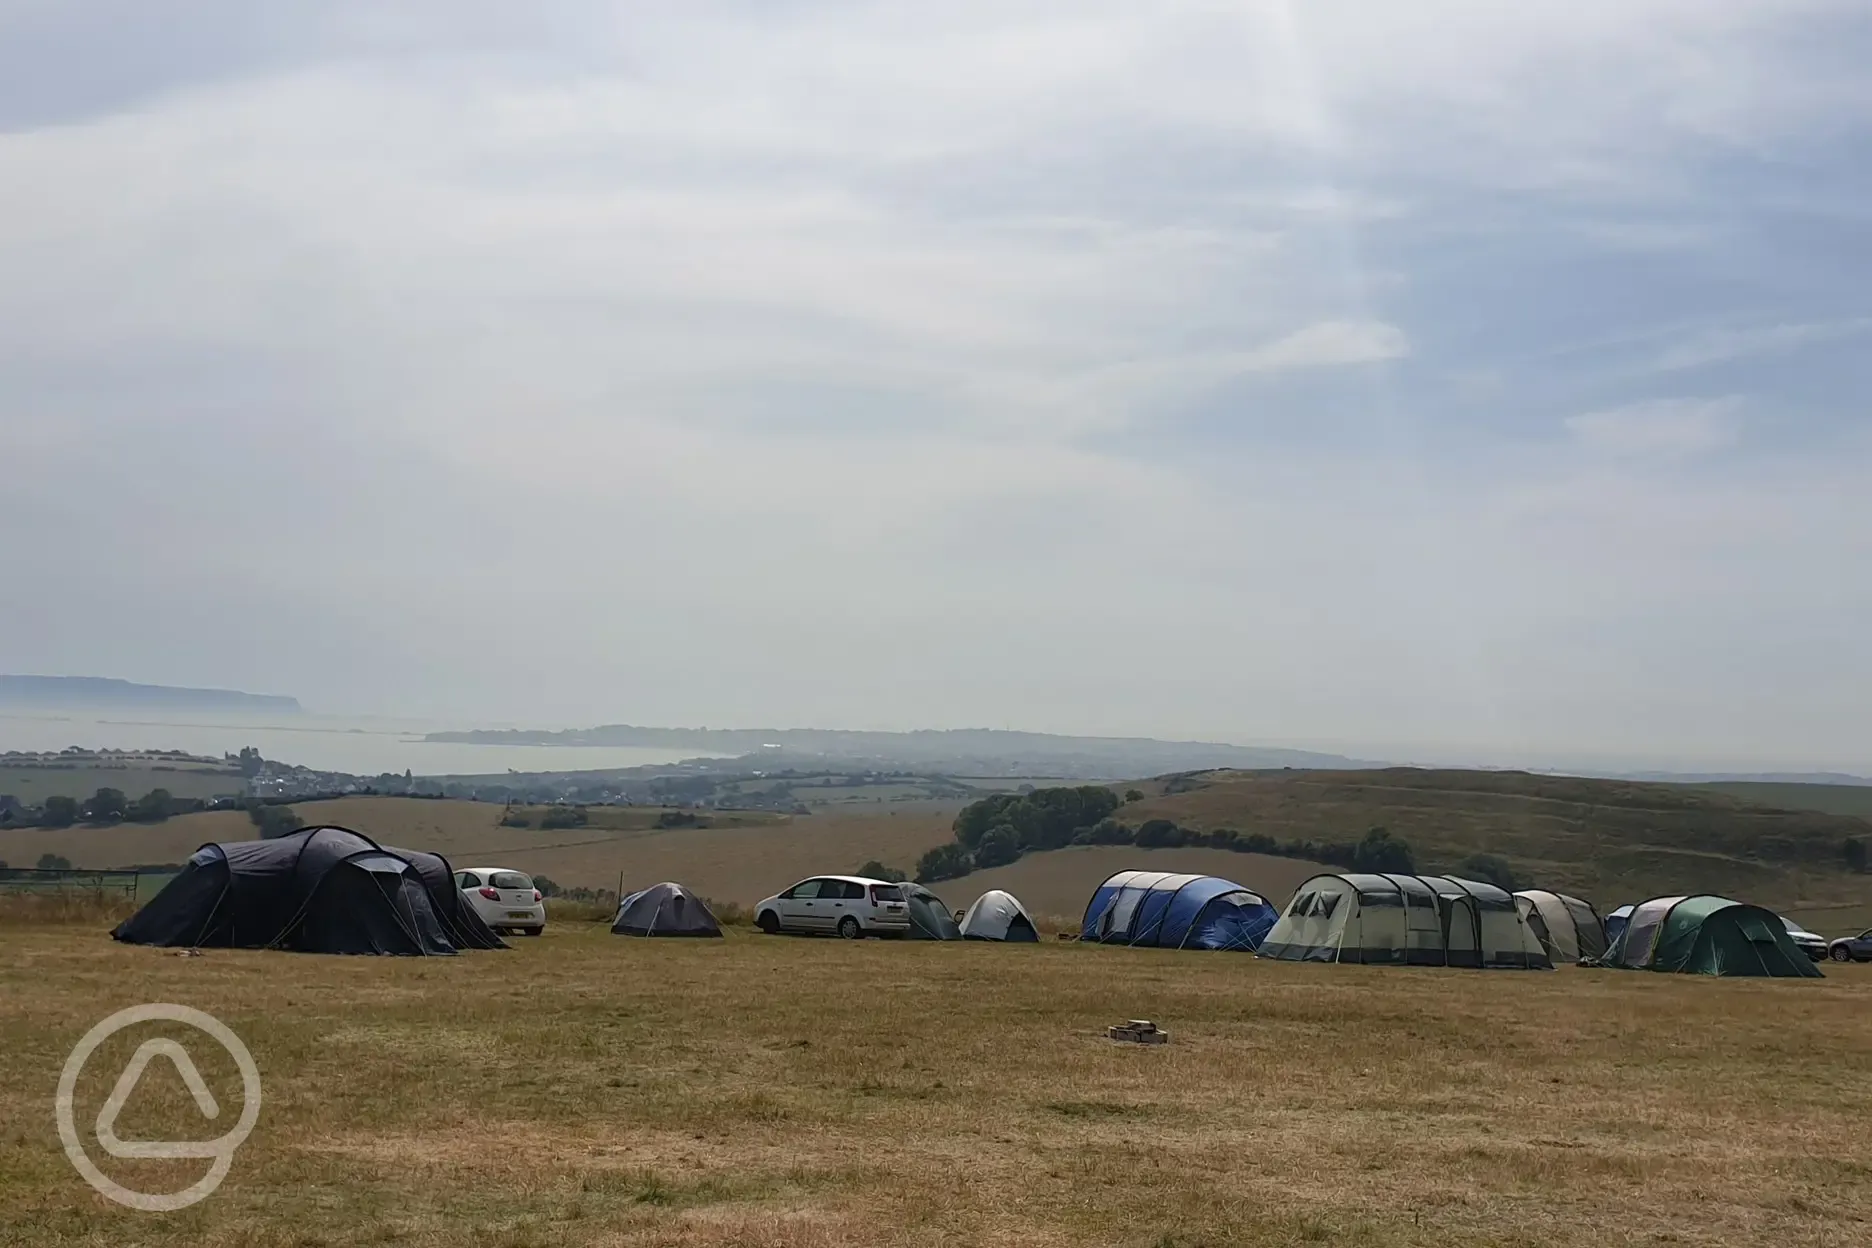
{"x":768,"y":922}
{"x":1842,"y":954}
{"x":849,"y":929}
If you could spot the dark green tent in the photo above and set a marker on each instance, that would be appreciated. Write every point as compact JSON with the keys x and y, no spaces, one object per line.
{"x":929,"y":917}
{"x":1708,"y":936}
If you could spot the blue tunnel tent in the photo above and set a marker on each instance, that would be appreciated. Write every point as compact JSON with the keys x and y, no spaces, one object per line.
{"x":1172,"y":911}
{"x":319,"y":890}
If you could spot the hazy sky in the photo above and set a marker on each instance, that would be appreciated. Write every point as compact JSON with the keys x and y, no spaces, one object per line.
{"x":1445,"y":375}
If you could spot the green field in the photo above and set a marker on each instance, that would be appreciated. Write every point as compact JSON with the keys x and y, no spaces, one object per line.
{"x":32,"y":785}
{"x":584,"y":1090}
{"x":1834,"y":799}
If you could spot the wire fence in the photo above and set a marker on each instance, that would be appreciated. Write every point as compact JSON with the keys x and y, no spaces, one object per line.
{"x":48,"y":880}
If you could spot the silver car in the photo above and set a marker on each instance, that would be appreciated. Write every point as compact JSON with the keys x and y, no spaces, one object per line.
{"x":1852,"y":948}
{"x":1807,"y":942}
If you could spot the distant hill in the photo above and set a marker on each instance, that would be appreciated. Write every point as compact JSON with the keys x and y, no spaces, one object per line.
{"x":963,"y":752}
{"x":1607,"y":840}
{"x":97,"y":693}
{"x":1833,"y":797}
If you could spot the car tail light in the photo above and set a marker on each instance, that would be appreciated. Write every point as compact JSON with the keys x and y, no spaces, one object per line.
{"x":491,"y":894}
{"x":538,"y":896}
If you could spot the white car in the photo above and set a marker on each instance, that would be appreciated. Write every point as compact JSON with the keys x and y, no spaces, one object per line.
{"x":505,"y":900}
{"x":850,"y":906}
{"x":1813,"y":946}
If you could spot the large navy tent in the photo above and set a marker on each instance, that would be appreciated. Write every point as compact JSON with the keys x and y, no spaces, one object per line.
{"x":1172,"y":911}
{"x":319,"y":890}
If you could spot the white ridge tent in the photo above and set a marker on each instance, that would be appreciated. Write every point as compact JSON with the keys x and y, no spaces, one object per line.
{"x":1569,"y":929}
{"x":1404,"y":920}
{"x":998,"y":916}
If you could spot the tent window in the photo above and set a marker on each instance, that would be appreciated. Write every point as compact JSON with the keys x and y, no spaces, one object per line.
{"x":1381,"y":899}
{"x":1327,"y":903}
{"x":1302,"y":906}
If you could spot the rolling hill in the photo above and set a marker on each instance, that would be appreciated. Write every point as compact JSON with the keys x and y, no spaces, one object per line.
{"x":1609,"y":841}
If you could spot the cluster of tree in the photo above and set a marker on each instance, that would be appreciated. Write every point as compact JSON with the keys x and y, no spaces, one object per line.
{"x":875,"y":870}
{"x":47,"y":862}
{"x":999,"y":829}
{"x":107,"y":805}
{"x":1855,"y":850}
{"x":274,"y":819}
{"x":564,"y":817}
{"x":1489,"y":869}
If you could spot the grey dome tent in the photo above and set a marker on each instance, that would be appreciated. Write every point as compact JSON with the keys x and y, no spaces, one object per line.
{"x":998,"y":916}
{"x":929,"y":917}
{"x":1568,"y":928}
{"x":319,"y":890}
{"x":664,"y":910}
{"x":1404,"y":920}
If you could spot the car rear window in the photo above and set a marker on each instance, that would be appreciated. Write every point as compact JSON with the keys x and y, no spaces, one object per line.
{"x":886,"y":892}
{"x":509,"y":879}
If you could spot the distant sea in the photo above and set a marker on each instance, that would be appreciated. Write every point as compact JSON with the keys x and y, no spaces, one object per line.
{"x":364,"y":747}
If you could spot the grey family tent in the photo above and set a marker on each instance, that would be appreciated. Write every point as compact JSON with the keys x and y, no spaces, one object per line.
{"x":1171,"y":911}
{"x":998,"y":916}
{"x":1404,"y":920}
{"x":664,"y":910}
{"x":929,"y":917}
{"x":1707,"y":935}
{"x":320,"y":890}
{"x":1567,"y":928}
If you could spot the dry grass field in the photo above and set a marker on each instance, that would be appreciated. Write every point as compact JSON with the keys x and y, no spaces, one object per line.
{"x":740,"y":857}
{"x":34,"y":784}
{"x":585,"y":1089}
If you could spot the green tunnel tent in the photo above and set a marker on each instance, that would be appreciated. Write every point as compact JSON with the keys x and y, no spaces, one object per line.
{"x":929,"y":917}
{"x":1705,"y":935}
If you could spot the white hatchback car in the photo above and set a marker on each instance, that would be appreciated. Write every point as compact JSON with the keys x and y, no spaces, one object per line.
{"x":505,"y":900}
{"x":851,"y":906}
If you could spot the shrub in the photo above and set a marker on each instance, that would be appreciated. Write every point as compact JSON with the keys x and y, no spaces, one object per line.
{"x":564,"y":817}
{"x":1158,"y":834}
{"x":1489,"y":868}
{"x":515,"y":819}
{"x":945,"y":862}
{"x":999,"y":846}
{"x":876,"y":870}
{"x":59,"y":812}
{"x":1381,"y":852}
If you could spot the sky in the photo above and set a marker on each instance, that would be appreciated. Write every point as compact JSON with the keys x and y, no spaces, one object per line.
{"x":1452,"y":379}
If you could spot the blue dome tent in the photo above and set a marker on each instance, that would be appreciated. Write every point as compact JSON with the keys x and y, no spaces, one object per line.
{"x":1165,"y":910}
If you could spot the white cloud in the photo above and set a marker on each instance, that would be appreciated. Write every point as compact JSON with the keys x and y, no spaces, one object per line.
{"x":782,"y":363}
{"x":1673,"y":427}
{"x":1723,"y":345}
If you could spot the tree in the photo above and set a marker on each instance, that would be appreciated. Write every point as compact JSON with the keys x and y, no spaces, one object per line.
{"x":153,"y":807}
{"x":1133,"y":795}
{"x":1855,"y":854}
{"x":999,"y":846}
{"x":875,"y":870}
{"x":250,"y":761}
{"x":1491,"y":869}
{"x":54,"y":862}
{"x":1381,"y":852}
{"x":274,"y":821}
{"x":59,"y":812}
{"x":1158,"y":834}
{"x":106,"y":806}
{"x":945,"y":862}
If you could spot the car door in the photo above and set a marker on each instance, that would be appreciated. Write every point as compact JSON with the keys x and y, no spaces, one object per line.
{"x":470,"y":884}
{"x":839,"y":898}
{"x":798,"y":907}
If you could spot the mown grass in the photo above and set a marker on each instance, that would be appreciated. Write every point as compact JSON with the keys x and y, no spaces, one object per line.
{"x":590,"y":1090}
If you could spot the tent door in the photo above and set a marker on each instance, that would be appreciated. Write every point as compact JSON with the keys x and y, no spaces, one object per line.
{"x":1462,"y":937}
